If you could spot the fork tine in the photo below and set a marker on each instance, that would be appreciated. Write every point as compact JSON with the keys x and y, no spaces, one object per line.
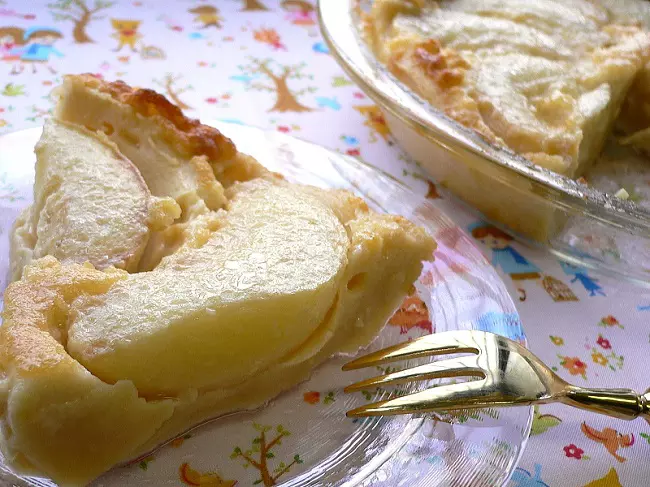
{"x":468,"y":395}
{"x":434,"y":344}
{"x":455,"y":367}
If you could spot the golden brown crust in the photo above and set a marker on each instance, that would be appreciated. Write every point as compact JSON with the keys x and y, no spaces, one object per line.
{"x":192,"y":135}
{"x":417,"y":61}
{"x":445,"y":67}
{"x":31,"y":337}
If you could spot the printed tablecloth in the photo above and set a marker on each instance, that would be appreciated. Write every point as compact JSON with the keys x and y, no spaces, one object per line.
{"x":263,"y":63}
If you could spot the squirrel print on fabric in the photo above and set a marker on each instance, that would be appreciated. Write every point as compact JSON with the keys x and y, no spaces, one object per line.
{"x":611,"y":439}
{"x":126,"y":32}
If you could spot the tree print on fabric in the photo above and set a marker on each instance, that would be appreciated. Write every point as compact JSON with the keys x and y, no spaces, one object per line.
{"x":169,"y":83}
{"x":286,"y":98}
{"x":260,"y":453}
{"x":78,"y":12}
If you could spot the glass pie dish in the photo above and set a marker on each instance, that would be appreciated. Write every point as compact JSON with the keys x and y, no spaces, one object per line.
{"x":585,"y":225}
{"x":303,"y":438}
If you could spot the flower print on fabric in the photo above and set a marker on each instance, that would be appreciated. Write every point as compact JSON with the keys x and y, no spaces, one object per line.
{"x":314,"y":397}
{"x":572,"y":451}
{"x":574,"y":365}
{"x":270,"y":37}
{"x":603,"y":343}
{"x":609,"y":321}
{"x":311,"y":397}
{"x":602,"y":353}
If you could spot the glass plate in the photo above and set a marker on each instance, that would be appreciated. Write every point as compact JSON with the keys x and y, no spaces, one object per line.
{"x":585,"y":225}
{"x":303,"y":437}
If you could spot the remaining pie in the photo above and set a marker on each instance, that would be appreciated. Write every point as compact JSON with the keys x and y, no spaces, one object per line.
{"x":234,"y":284}
{"x":545,"y":78}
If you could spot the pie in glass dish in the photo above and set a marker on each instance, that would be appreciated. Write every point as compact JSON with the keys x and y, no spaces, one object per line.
{"x":162,"y":278}
{"x":546,"y":79}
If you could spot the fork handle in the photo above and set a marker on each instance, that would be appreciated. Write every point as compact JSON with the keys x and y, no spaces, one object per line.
{"x":618,"y":403}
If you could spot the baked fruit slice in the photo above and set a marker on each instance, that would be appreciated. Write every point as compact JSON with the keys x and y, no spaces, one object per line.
{"x":178,"y":157}
{"x":97,"y":367}
{"x":90,"y":204}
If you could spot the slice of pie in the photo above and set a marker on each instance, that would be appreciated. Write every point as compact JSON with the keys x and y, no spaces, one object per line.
{"x":546,"y":78}
{"x":253,"y":284}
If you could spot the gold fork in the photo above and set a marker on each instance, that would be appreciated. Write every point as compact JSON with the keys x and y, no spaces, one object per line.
{"x":503,"y":373}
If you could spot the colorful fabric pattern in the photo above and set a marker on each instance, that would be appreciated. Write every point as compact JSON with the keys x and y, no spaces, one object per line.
{"x":263,"y":63}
